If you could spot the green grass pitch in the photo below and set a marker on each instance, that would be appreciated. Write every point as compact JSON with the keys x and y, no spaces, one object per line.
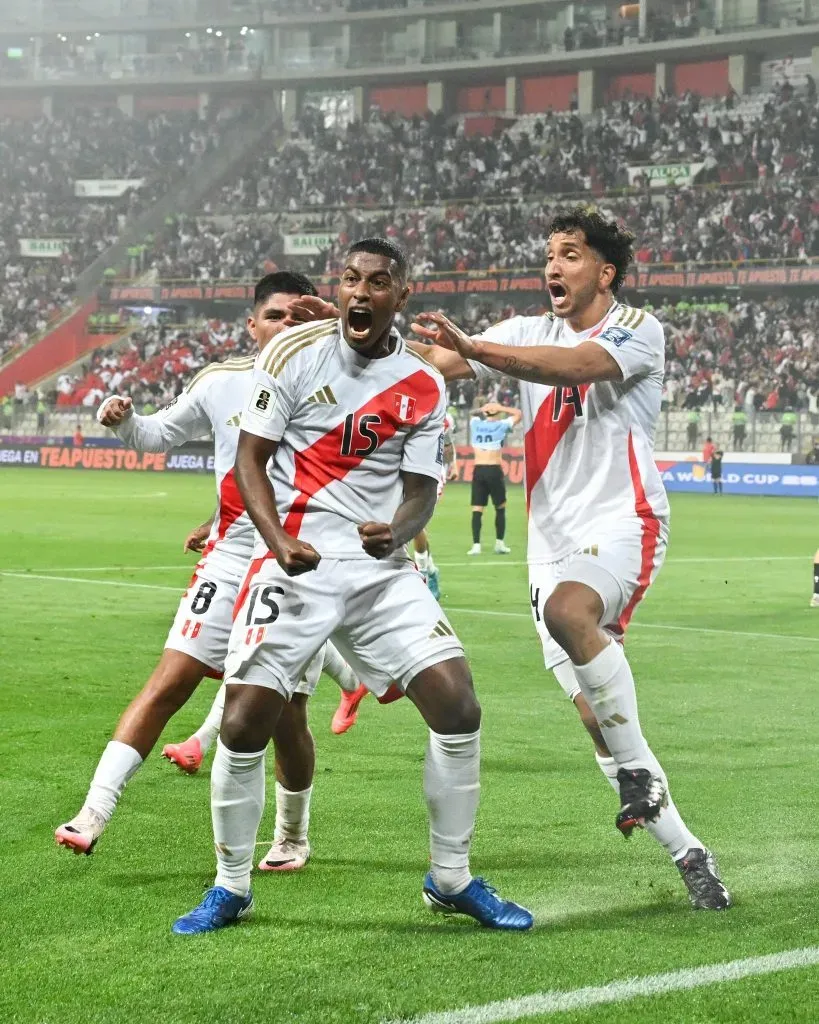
{"x":728,"y":701}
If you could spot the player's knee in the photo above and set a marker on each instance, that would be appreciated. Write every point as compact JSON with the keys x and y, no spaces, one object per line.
{"x":250,"y":717}
{"x":568,"y":617}
{"x":291,"y":727}
{"x":446,"y":698}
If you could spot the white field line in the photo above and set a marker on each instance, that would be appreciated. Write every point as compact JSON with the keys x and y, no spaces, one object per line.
{"x":98,"y":583}
{"x":498,"y":561}
{"x":543,"y":1003}
{"x":110,"y":568}
{"x":462,"y":611}
{"x":648,"y":625}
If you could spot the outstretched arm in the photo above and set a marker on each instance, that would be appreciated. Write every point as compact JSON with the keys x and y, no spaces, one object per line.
{"x":540,"y":364}
{"x":183,"y":420}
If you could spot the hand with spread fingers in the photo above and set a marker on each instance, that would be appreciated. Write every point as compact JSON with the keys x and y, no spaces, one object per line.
{"x":307,"y":308}
{"x":440,"y":330}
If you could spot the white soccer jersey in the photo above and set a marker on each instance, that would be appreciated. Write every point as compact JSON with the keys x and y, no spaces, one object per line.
{"x":347,"y":427}
{"x":589,"y":449}
{"x":212,"y":402}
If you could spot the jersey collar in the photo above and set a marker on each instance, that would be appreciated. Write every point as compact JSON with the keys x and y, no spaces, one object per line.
{"x":595,"y":328}
{"x":350,"y":357}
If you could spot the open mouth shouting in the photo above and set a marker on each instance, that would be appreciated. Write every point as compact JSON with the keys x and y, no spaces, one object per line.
{"x":359,"y":322}
{"x":559,"y":295}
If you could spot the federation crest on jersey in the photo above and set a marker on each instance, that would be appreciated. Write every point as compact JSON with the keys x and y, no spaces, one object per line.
{"x":404,"y":407}
{"x":617,"y":335}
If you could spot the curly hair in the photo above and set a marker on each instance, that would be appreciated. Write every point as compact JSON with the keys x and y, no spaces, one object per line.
{"x":611,"y":242}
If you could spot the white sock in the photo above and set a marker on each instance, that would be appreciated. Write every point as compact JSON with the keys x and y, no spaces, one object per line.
{"x":236,"y":804}
{"x":116,"y":766}
{"x":452,"y":790}
{"x":338,"y":670}
{"x":608,"y":686}
{"x":292,"y":814}
{"x":669,"y":829}
{"x":209,"y":729}
{"x":422,"y":561}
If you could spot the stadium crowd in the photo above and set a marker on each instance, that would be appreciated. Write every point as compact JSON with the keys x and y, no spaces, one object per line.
{"x":760,"y":355}
{"x":41,"y":160}
{"x":389,"y":159}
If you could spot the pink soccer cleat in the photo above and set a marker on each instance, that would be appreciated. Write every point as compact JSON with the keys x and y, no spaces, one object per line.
{"x":186,"y":756}
{"x":347,"y":710}
{"x":286,"y":855}
{"x":81,"y":833}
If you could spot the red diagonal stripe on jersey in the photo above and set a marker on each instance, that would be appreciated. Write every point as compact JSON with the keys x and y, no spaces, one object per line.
{"x":231,"y":507}
{"x":323,"y":462}
{"x":648,"y":541}
{"x":544,"y":435}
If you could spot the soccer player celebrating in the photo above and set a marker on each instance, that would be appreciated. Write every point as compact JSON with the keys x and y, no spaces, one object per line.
{"x":346,"y":714}
{"x":336,"y":490}
{"x":592,"y":374}
{"x":197,"y":643}
{"x":488,"y":430}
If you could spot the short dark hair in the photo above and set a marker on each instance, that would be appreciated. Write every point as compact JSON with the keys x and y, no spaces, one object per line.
{"x":383,"y":247}
{"x":610,"y":241}
{"x":284,"y":281}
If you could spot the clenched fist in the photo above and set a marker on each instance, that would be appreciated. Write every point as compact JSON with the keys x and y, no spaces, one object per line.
{"x":377,"y":539}
{"x":296,"y":556}
{"x":114,"y":410}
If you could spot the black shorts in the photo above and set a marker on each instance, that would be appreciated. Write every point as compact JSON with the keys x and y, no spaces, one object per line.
{"x":488,"y":482}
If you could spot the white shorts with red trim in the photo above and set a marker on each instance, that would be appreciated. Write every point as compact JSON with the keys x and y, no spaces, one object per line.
{"x":203,"y":624}
{"x":380,"y":615}
{"x":619,"y":566}
{"x":201,"y":628}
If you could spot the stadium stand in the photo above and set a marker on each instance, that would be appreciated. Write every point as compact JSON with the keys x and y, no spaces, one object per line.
{"x":41,"y":161}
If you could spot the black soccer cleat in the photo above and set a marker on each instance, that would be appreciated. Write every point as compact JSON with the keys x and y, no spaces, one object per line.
{"x":701,"y":876}
{"x":642,"y":797}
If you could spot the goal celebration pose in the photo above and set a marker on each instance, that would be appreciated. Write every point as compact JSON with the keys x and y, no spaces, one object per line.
{"x":592,"y":375}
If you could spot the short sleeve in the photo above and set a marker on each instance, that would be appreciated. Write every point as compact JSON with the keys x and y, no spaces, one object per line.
{"x":637,"y":351}
{"x":424,"y":446}
{"x":508,"y":332}
{"x":270,"y":406}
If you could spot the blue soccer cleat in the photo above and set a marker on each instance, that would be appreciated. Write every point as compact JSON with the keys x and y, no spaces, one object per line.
{"x":219,"y":908}
{"x":433,"y":584}
{"x":481,"y":901}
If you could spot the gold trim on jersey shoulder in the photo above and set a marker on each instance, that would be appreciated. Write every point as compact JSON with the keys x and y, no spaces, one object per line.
{"x":235,"y":365}
{"x":286,"y":341}
{"x":429,"y":365}
{"x":288,"y":352}
{"x":628,"y":316}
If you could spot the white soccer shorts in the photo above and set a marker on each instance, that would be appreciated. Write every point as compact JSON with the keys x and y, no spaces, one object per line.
{"x":203,"y":624}
{"x":379,"y":614}
{"x":201,"y":628}
{"x":619,"y":565}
